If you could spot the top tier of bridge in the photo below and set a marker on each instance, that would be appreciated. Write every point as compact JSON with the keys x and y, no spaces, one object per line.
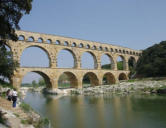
{"x":60,"y":40}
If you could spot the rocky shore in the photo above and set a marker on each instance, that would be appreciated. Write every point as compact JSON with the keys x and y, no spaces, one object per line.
{"x":20,"y":117}
{"x":143,"y":86}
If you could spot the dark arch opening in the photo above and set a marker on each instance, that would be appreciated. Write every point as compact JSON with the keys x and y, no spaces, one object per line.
{"x":88,"y":46}
{"x":21,"y":38}
{"x":90,"y":79}
{"x":88,"y":61}
{"x":36,"y":79}
{"x":73,"y":44}
{"x":67,"y":80}
{"x":108,"y":79}
{"x":49,"y":41}
{"x":40,"y":40}
{"x":31,"y":39}
{"x":94,"y":47}
{"x":122,"y":76}
{"x":66,"y":59}
{"x":132,"y":62}
{"x":57,"y":42}
{"x":121,"y":63}
{"x":100,"y":48}
{"x":81,"y":45}
{"x":107,"y":62}
{"x":35,"y":56}
{"x":66,"y":43}
{"x":132,"y":65}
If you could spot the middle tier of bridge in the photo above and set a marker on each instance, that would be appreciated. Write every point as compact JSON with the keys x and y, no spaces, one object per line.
{"x":52,"y":75}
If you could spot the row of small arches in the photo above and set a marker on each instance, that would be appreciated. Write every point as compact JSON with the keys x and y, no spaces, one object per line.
{"x":81,"y":45}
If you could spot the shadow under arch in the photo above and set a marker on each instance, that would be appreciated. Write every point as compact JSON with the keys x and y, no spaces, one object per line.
{"x":41,"y":48}
{"x":132,"y":62}
{"x":71,"y":78}
{"x":45,"y":77}
{"x":122,"y":76}
{"x":108,"y":78}
{"x":94,"y":58}
{"x":112,"y":63}
{"x":94,"y":81}
{"x":72,"y":53}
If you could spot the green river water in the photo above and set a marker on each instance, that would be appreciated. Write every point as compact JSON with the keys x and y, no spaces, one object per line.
{"x":131,"y":111}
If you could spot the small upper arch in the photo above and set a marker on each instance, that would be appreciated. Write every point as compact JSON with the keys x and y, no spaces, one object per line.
{"x":21,"y":37}
{"x":57,"y":42}
{"x":31,"y":39}
{"x":49,"y":41}
{"x":81,"y":45}
{"x":40,"y":40}
{"x":73,"y":44}
{"x":66,"y":43}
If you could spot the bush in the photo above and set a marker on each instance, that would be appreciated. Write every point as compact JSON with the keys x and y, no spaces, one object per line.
{"x":25,"y":107}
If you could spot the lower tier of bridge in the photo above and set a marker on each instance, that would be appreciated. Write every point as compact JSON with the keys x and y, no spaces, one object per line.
{"x":75,"y":76}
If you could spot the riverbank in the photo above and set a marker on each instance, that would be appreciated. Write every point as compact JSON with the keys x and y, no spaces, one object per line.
{"x":23,"y":116}
{"x":125,"y":87}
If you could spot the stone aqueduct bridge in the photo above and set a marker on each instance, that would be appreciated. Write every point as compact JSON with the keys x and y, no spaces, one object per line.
{"x":52,"y":44}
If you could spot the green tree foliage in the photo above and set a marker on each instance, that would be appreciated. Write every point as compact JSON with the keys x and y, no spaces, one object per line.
{"x":106,"y":66}
{"x":152,"y":62}
{"x":41,"y":82}
{"x":34,"y":84}
{"x":120,"y":65}
{"x":11,"y":12}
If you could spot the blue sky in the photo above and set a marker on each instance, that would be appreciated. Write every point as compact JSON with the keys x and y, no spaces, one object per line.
{"x":136,"y":24}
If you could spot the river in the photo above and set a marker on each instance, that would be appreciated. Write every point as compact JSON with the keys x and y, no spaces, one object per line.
{"x":108,"y":111}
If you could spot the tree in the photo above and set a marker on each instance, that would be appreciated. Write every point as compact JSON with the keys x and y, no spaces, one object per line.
{"x":11,"y":11}
{"x":152,"y":62}
{"x":34,"y":84}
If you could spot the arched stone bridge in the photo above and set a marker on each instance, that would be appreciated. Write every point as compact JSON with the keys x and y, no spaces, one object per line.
{"x":53,"y":44}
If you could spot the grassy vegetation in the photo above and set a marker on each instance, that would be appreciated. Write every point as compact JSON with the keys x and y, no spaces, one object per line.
{"x":25,"y":107}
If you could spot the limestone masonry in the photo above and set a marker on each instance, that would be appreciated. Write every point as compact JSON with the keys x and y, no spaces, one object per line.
{"x":53,"y":44}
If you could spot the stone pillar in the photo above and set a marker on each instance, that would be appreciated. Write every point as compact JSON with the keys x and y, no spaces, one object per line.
{"x":115,"y":66}
{"x":54,"y":83}
{"x":126,"y":66}
{"x":98,"y":65}
{"x":16,"y":81}
{"x":78,"y":64}
{"x":80,"y":83}
{"x":53,"y":65}
{"x":100,"y":81}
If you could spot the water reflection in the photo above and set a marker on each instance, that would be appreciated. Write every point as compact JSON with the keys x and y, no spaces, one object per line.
{"x":133,"y":111}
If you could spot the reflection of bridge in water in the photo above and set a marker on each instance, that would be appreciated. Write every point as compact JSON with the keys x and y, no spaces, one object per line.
{"x":52,"y":45}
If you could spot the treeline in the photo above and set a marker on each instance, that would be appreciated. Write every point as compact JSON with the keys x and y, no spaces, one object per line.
{"x":152,"y":62}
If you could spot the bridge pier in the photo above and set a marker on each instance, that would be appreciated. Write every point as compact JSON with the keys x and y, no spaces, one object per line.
{"x":16,"y":81}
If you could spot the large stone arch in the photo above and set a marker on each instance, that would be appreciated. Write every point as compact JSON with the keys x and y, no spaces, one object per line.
{"x":38,"y":46}
{"x":111,"y":59}
{"x":73,"y":54}
{"x":41,"y":73}
{"x":125,"y":62}
{"x":94,"y":58}
{"x":122,"y":76}
{"x":94,"y":81}
{"x":109,"y":77}
{"x":72,"y":78}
